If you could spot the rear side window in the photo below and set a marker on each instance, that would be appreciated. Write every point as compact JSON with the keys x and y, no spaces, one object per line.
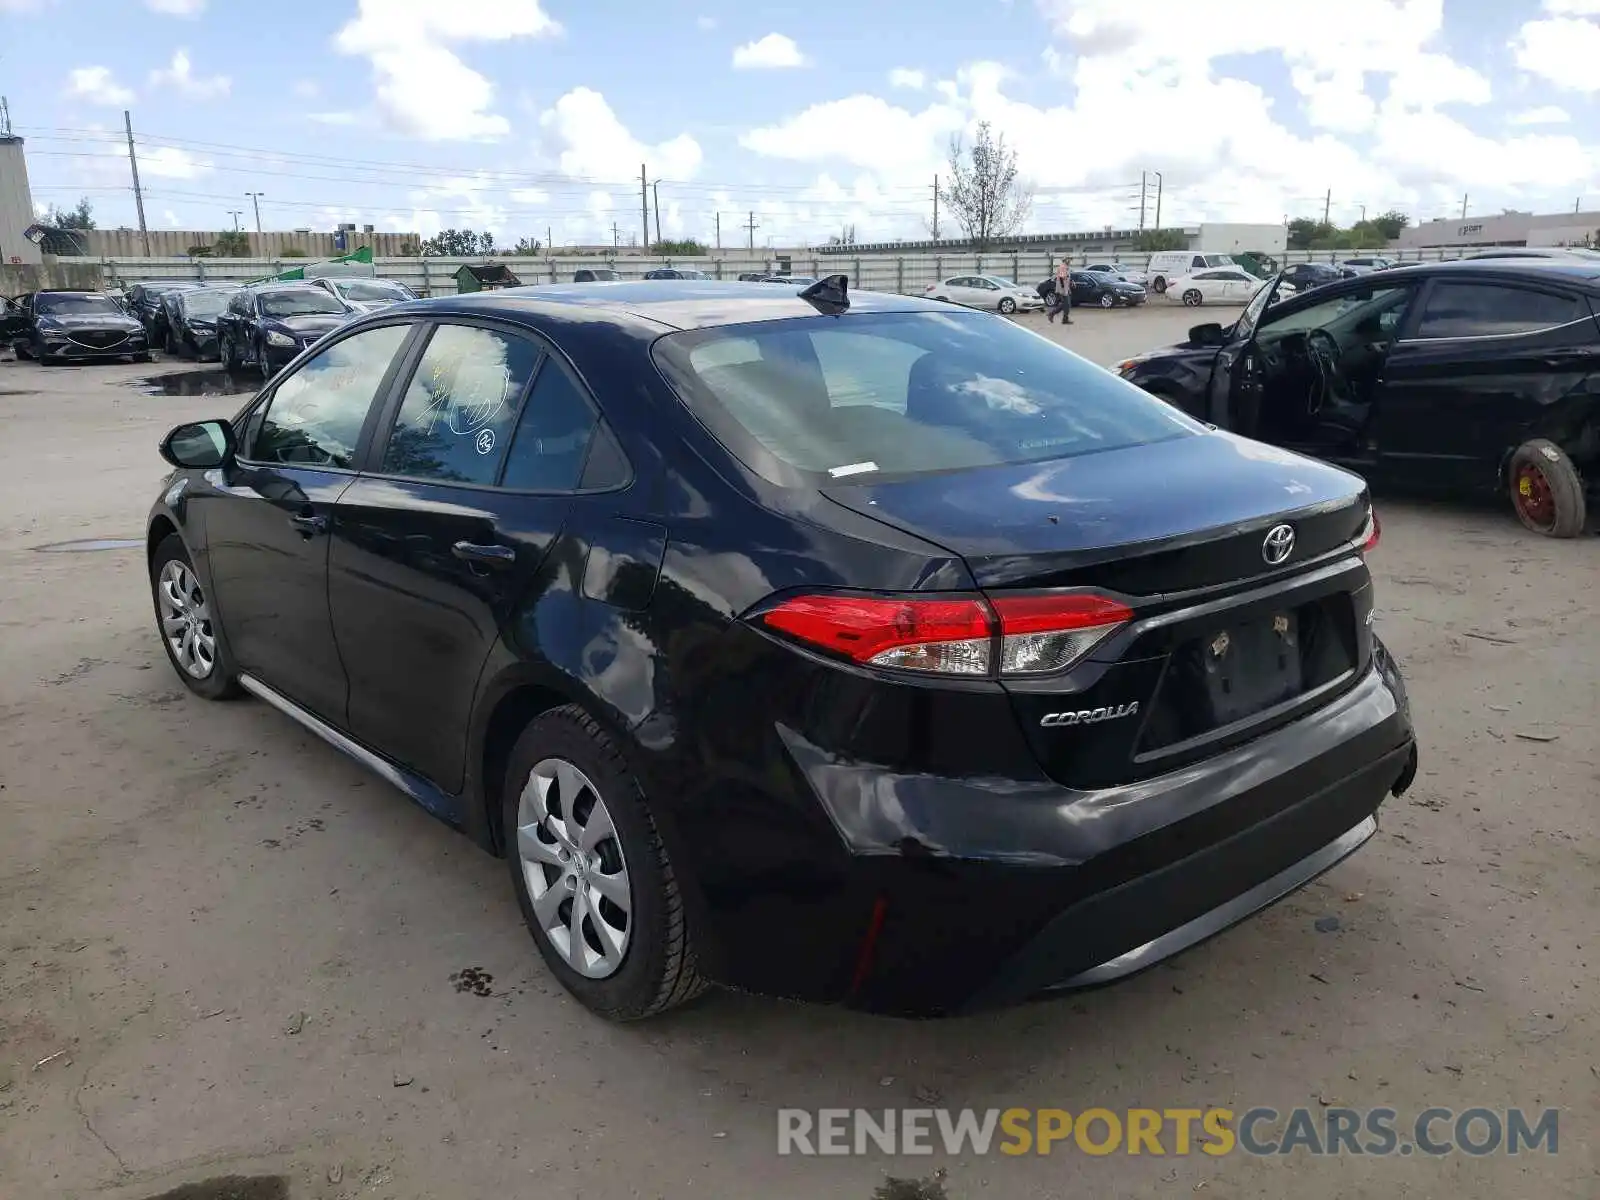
{"x":552,"y":439}
{"x":455,"y":422}
{"x":903,"y":393}
{"x":1457,"y":310}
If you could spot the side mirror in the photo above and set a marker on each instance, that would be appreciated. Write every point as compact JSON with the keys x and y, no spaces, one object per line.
{"x":1209,"y":334}
{"x":200,"y":445}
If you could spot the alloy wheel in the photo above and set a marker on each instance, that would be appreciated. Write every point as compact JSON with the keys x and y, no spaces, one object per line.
{"x":575,"y":871}
{"x":1192,"y":298}
{"x":1107,"y":300}
{"x":186,"y":620}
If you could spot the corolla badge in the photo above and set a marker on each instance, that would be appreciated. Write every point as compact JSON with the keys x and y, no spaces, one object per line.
{"x":1278,"y":545}
{"x":1090,"y":716}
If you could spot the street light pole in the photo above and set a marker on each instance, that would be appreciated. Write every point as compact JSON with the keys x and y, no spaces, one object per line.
{"x":1157,"y":174}
{"x":236,"y":213}
{"x":255,"y":200}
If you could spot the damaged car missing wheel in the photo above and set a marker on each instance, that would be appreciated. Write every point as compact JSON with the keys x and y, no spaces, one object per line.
{"x":854,"y":648}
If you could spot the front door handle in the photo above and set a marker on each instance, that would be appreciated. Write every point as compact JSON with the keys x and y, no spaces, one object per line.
{"x":310,"y":526}
{"x":488,"y":556}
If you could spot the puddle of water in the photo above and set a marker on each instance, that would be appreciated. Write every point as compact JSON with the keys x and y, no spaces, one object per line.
{"x":198,"y":383}
{"x":231,"y":1187}
{"x":86,"y":544}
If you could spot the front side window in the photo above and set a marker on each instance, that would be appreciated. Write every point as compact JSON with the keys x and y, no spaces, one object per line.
{"x":1456,"y":310}
{"x":456,"y":418}
{"x":904,"y":394}
{"x":315,"y":416}
{"x":1368,"y":313}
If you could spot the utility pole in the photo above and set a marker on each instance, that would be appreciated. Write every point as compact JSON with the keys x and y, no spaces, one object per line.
{"x":752,"y":227}
{"x":236,"y":213}
{"x":1144,"y":185}
{"x":655,"y":195}
{"x":644,"y":207}
{"x":1158,"y":199}
{"x":936,"y":208}
{"x":718,"y":218}
{"x":255,"y":199}
{"x":1327,"y":203}
{"x":138,"y":194}
{"x":549,"y":240}
{"x":1464,"y":206}
{"x":1363,"y":209}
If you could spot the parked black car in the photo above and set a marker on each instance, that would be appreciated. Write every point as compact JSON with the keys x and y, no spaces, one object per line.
{"x":595,"y":275}
{"x":266,"y":325}
{"x":191,"y":320}
{"x":1303,"y":277}
{"x":675,"y":273}
{"x":145,"y":303}
{"x":1101,"y":290}
{"x":54,"y":325}
{"x":1454,"y":376}
{"x":939,"y":700}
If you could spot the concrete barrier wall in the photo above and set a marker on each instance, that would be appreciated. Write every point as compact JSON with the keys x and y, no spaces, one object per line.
{"x":907,"y":273}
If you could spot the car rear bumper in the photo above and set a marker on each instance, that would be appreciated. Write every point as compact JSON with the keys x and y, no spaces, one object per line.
{"x":968,"y":893}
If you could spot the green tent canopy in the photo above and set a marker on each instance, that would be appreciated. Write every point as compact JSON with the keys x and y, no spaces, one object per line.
{"x":362,"y":257}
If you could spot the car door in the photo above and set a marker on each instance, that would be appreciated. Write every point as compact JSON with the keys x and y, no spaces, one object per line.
{"x":13,"y":321}
{"x":469,"y":485}
{"x":268,"y":521}
{"x":1483,"y":365}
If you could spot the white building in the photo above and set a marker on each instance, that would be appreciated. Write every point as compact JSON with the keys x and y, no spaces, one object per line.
{"x":1506,"y":229}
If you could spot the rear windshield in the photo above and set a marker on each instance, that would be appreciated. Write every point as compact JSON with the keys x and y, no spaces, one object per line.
{"x":372,"y":289}
{"x":895,"y":394}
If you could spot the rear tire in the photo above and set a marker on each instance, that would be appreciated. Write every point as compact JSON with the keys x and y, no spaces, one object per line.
{"x":1193,"y":298}
{"x":655,"y":968}
{"x":1158,"y":285}
{"x":187,"y":625}
{"x":1546,"y":489}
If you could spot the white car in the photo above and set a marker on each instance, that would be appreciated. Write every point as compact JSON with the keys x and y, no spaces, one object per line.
{"x":1225,"y":285}
{"x":1118,"y":271}
{"x":984,"y":291}
{"x":363,"y":293}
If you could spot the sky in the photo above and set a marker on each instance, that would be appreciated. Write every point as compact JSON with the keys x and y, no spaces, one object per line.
{"x":531,"y":118}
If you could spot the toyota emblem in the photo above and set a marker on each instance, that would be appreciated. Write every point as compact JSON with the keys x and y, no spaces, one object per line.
{"x":1278,"y":545}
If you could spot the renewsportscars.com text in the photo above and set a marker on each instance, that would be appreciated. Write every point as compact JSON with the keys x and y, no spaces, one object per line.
{"x":1167,"y":1131}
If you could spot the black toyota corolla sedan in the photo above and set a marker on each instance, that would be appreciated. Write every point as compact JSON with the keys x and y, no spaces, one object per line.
{"x":843,"y":647}
{"x":1454,"y":376}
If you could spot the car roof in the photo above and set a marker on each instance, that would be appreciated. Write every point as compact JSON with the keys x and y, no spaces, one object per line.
{"x":1528,"y":268}
{"x":69,"y":292}
{"x":666,"y":304}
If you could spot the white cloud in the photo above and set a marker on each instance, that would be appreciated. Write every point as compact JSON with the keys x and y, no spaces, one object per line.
{"x":772,"y":52}
{"x":423,"y":89}
{"x":1561,"y":49}
{"x":339,"y":118}
{"x":180,"y":75}
{"x":706,"y":24}
{"x":177,"y":8}
{"x":530,"y":196}
{"x":1549,"y":114}
{"x":479,"y":209}
{"x":866,"y":131}
{"x":96,"y":85}
{"x":167,"y":162}
{"x":594,"y":144}
{"x":907,"y":77}
{"x":172,"y":219}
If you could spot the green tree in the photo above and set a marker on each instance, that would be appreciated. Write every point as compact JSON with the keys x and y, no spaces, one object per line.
{"x":845,"y":237}
{"x":525,"y":248}
{"x":1390,"y":224}
{"x":681,"y":248}
{"x":1304,"y":232}
{"x":292,"y":252}
{"x":232,"y":243}
{"x":983,"y":192}
{"x":81,"y":217}
{"x":458,"y":243}
{"x":1152,"y":240}
{"x":198,"y":251}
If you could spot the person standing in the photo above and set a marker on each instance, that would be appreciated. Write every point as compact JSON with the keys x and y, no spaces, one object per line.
{"x":1063,"y":294}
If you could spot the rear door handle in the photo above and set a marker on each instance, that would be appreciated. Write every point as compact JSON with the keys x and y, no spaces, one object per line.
{"x":489,"y":556}
{"x":310,"y":526}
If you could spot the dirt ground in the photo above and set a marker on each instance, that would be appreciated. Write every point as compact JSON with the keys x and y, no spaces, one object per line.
{"x":228,"y":951}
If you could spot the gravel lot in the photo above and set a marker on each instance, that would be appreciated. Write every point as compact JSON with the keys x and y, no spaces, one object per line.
{"x":233,"y":952}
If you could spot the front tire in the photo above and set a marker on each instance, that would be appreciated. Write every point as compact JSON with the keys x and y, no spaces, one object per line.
{"x":263,"y":363}
{"x":188,"y":628}
{"x":1192,"y":298}
{"x":1008,"y":306}
{"x":1108,"y":301}
{"x":226,"y":352}
{"x":1546,"y":489}
{"x":591,"y":874}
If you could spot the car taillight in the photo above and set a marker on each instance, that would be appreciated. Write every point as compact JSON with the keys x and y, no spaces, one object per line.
{"x":1370,"y":533}
{"x":1041,"y":634}
{"x":1033,"y":634}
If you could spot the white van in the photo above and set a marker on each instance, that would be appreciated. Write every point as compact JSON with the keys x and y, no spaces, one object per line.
{"x":1167,"y":265}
